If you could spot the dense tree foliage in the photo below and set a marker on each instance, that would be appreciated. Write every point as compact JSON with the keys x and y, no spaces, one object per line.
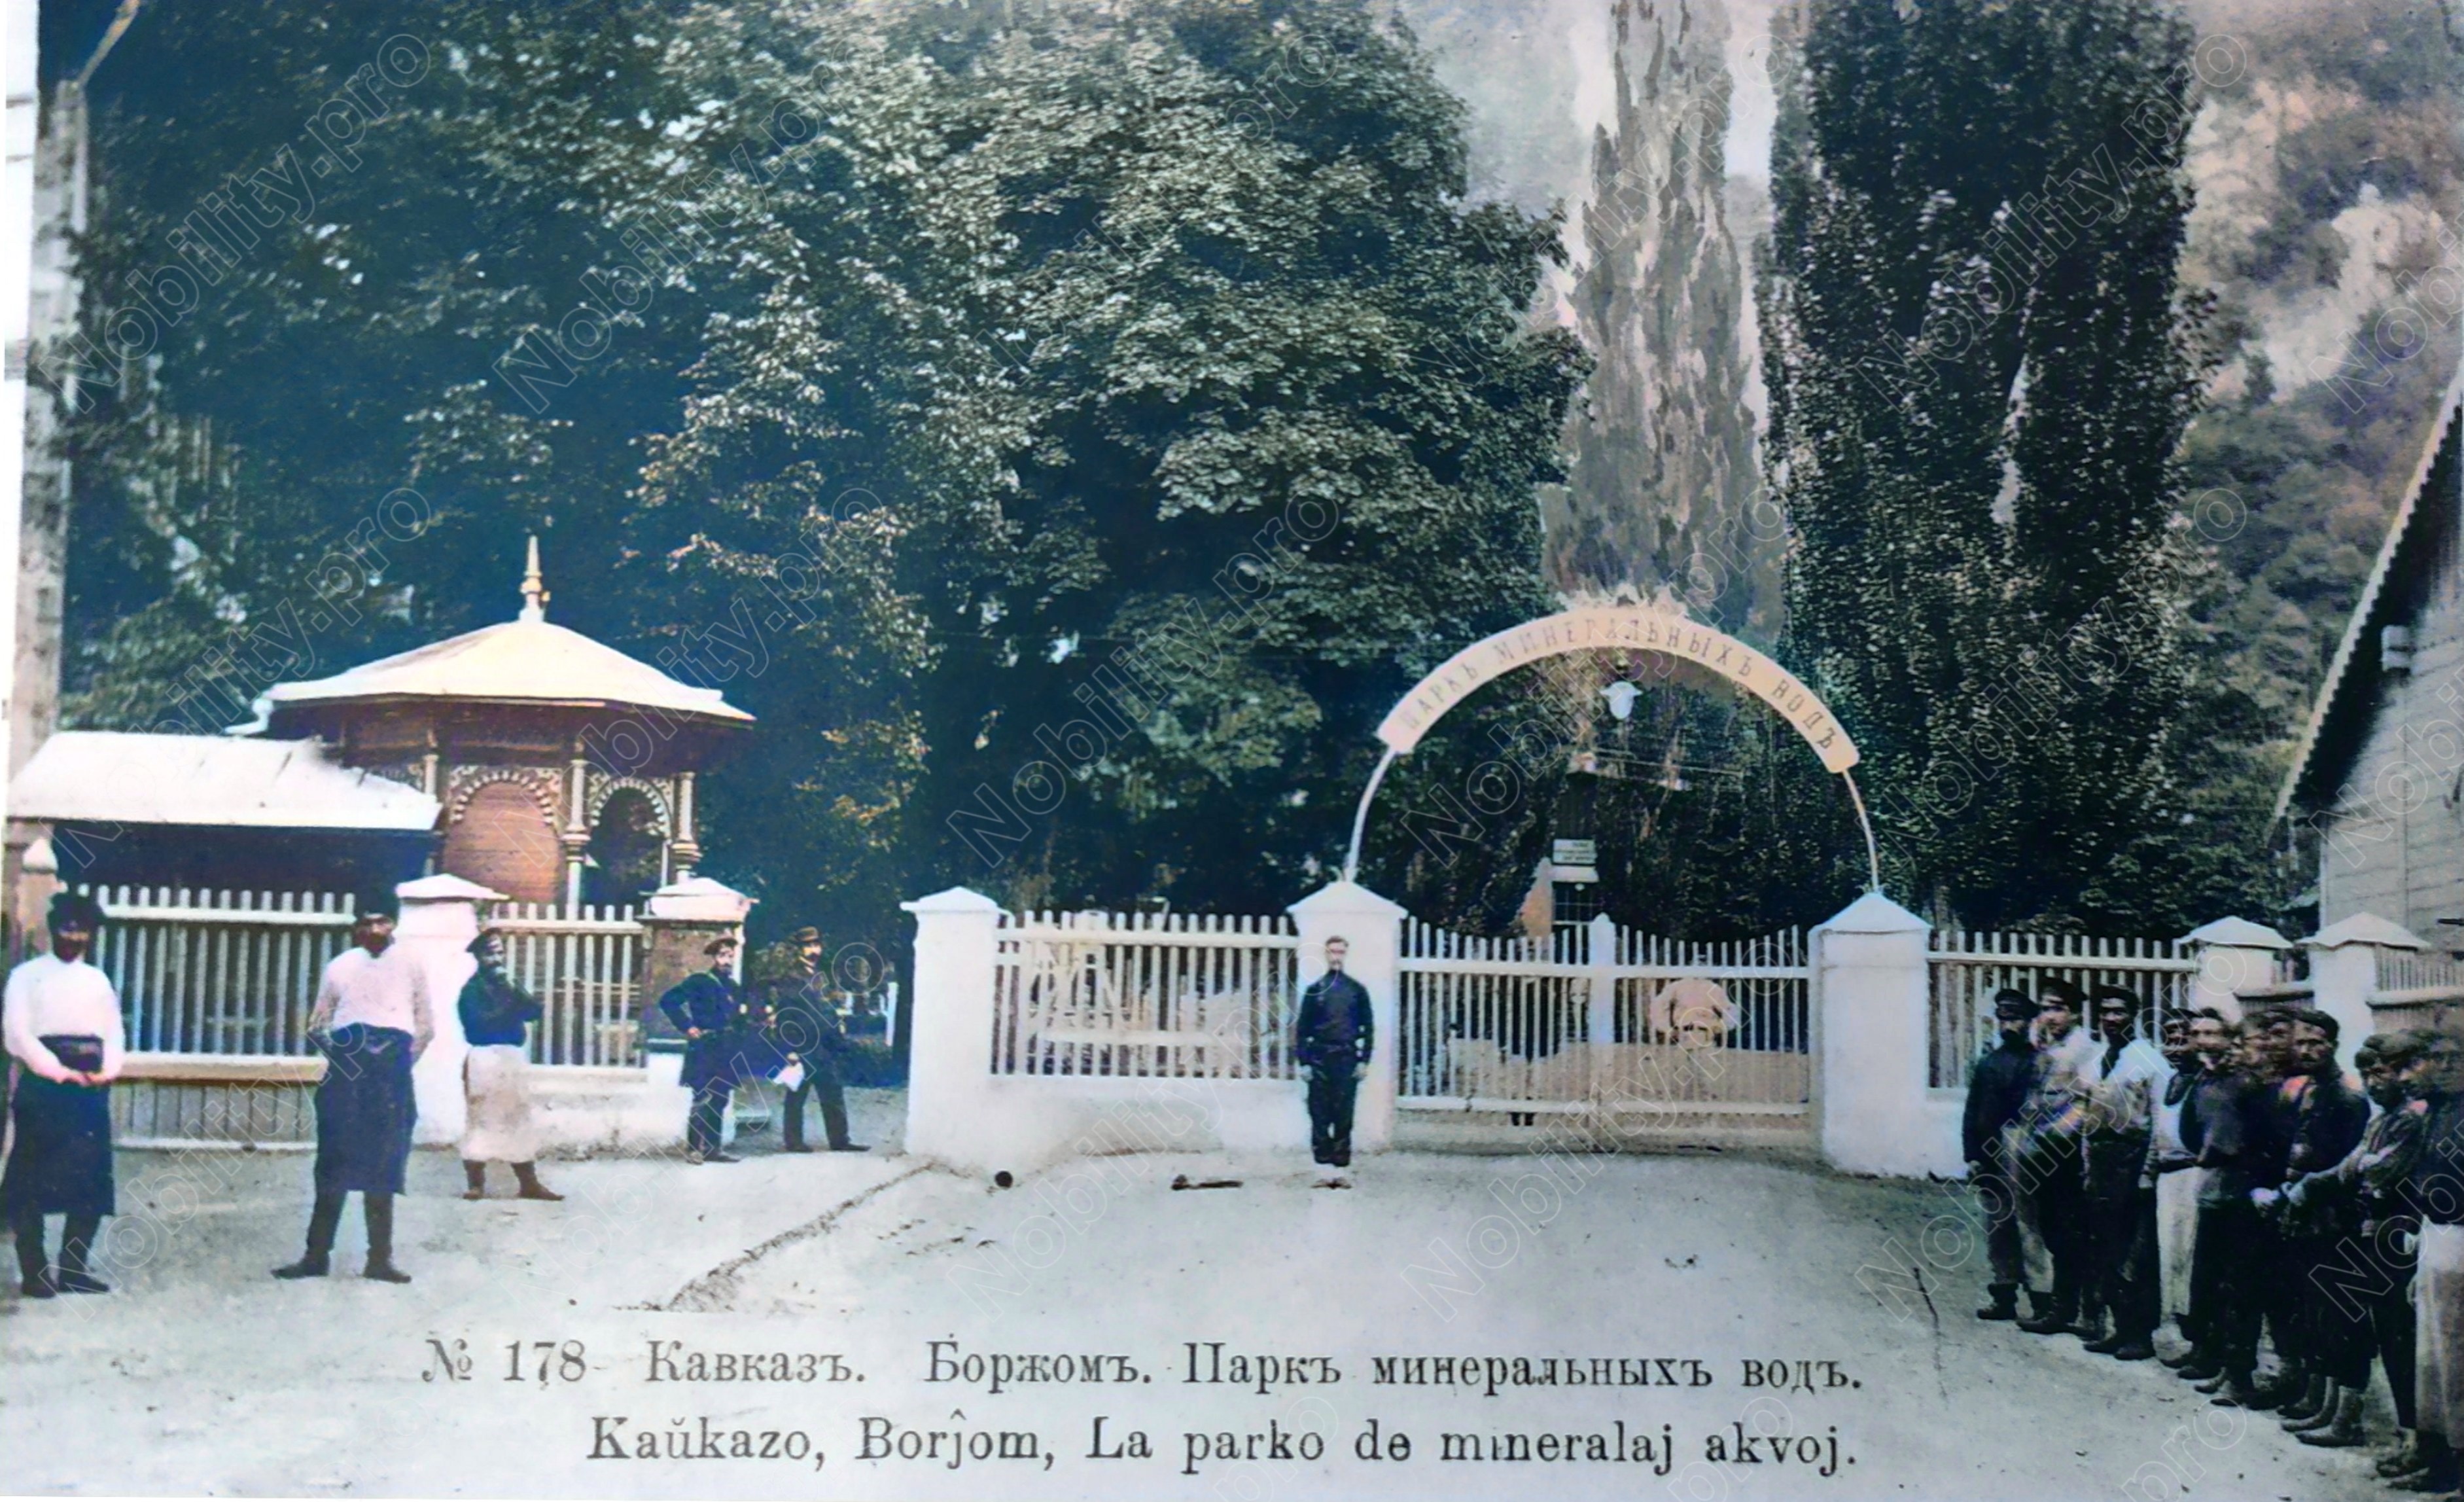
{"x":1068,"y":427}
{"x":1067,"y":432}
{"x":1983,"y":365}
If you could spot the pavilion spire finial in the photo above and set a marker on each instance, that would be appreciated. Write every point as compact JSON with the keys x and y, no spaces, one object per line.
{"x":534,"y":595}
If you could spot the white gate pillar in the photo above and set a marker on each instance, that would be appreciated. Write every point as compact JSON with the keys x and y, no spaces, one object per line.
{"x":1373,"y":929}
{"x":2235,"y":955}
{"x":950,"y":1032}
{"x":1878,"y":1114}
{"x":440,"y":916}
{"x":2344,"y":973}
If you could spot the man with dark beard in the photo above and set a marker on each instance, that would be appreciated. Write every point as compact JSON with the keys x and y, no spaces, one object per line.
{"x":63,"y":1029}
{"x":2218,"y":1125}
{"x":807,"y":1025}
{"x":2321,"y":1119}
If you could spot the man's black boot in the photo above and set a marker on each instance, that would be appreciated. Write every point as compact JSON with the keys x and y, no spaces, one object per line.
{"x":76,"y":1245}
{"x":34,"y":1269}
{"x":2052,"y":1318}
{"x":2002,"y":1301}
{"x":2316,"y":1405}
{"x":324,"y":1221}
{"x":380,"y":1212}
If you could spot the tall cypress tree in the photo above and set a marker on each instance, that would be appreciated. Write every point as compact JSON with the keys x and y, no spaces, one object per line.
{"x":1661,"y":452}
{"x":1982,"y":363}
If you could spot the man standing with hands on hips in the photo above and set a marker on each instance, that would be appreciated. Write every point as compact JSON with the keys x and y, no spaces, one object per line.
{"x":1332,"y":1040}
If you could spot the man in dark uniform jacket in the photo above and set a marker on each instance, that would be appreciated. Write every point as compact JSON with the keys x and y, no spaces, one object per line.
{"x":2321,"y":1119}
{"x":2241,"y":1137}
{"x":1997,"y":1088}
{"x":807,"y":1030}
{"x":708,"y":1007}
{"x":1332,"y":1040}
{"x":2340,"y":1207}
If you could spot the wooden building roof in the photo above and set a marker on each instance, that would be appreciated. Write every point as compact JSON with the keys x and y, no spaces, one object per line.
{"x":117,"y":777}
{"x":2425,"y":521}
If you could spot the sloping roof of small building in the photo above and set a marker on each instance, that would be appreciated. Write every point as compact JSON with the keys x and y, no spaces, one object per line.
{"x":2339,"y":719}
{"x":117,"y":777}
{"x":523,"y":661}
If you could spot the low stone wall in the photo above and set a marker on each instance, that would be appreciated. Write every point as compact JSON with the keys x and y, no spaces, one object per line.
{"x":268,"y":1103}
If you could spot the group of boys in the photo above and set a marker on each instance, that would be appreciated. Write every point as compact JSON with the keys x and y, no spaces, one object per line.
{"x":2239,"y":1181}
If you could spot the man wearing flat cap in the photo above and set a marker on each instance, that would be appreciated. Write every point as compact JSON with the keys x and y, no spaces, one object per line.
{"x":708,"y":1007}
{"x":2052,"y":1173}
{"x":2121,"y":1085}
{"x":1997,"y":1090}
{"x":807,"y":1030}
{"x":62,"y":1022}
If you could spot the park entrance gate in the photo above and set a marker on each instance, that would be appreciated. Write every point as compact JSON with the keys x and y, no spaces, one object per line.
{"x":1626,"y":1038}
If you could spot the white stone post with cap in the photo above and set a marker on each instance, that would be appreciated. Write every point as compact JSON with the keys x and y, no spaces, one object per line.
{"x":950,"y":1114}
{"x":1878,"y":1115}
{"x":440,"y":916}
{"x":2345,"y":972}
{"x":2235,"y":955}
{"x":1372,"y":927}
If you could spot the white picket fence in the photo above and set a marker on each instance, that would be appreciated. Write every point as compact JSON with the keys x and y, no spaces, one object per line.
{"x":1144,"y":995}
{"x":1598,"y":1017}
{"x":1966,"y":969}
{"x":584,"y":967}
{"x":1593,"y":1017}
{"x":219,"y":972}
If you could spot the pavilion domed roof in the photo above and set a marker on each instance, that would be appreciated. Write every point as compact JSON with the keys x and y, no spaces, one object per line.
{"x":526,"y":660}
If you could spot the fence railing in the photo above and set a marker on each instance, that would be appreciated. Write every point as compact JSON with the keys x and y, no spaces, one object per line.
{"x":1596,"y":1016}
{"x":229,"y":972}
{"x":1145,"y":995}
{"x":218,"y":971}
{"x":1967,"y":969}
{"x":2414,"y":970}
{"x":585,"y":965}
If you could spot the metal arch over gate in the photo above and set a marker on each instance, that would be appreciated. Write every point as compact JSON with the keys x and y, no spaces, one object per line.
{"x":1634,"y":626}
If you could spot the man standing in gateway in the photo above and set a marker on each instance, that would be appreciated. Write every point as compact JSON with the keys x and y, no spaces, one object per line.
{"x":1332,"y":1040}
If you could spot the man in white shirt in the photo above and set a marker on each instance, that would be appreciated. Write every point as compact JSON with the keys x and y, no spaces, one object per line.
{"x":371,"y":1021}
{"x":2047,"y":1157}
{"x":2124,"y":1081}
{"x":61,"y":1019}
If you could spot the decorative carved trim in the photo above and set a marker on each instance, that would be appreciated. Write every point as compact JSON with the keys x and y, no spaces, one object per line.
{"x":545,"y":787}
{"x":603,"y":787}
{"x":410,"y":774}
